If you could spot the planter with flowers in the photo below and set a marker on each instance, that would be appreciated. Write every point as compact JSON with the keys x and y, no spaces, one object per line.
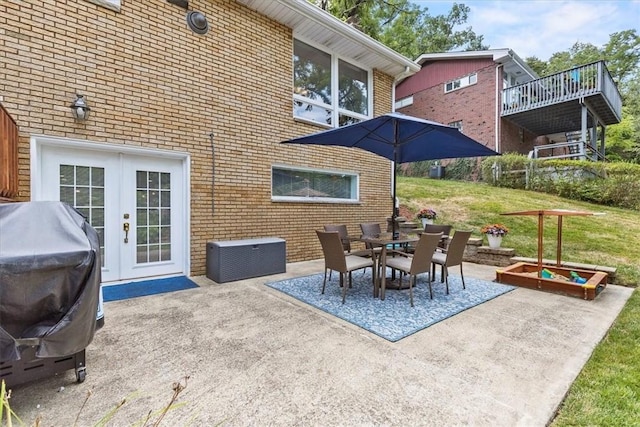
{"x":495,"y":233}
{"x":427,"y":215}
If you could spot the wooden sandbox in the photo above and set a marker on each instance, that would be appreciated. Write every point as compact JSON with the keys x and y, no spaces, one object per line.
{"x":530,"y":275}
{"x":527,"y":275}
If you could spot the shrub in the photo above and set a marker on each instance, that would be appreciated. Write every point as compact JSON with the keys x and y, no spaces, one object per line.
{"x":612,"y":184}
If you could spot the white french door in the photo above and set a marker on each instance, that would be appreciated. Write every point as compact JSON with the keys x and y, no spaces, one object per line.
{"x":135,"y":202}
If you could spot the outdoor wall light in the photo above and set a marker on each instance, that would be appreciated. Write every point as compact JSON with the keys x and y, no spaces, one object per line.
{"x":197,"y":22}
{"x":80,"y":109}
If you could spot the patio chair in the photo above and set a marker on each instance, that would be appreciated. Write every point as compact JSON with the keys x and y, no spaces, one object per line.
{"x":451,"y":257}
{"x":370,"y":229}
{"x":335,"y":259}
{"x":439,"y":228}
{"x":418,"y":263}
{"x":346,"y":243}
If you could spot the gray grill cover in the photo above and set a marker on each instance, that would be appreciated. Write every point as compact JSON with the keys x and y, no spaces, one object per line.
{"x":49,"y":279}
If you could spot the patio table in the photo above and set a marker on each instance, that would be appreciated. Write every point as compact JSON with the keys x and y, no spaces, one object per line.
{"x":383,"y":240}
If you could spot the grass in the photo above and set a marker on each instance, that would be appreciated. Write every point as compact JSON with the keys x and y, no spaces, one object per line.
{"x":608,"y":240}
{"x":607,"y":391}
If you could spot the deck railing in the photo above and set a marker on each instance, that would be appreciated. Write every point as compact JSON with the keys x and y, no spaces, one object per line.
{"x":567,"y":85}
{"x":8,"y":156}
{"x":574,"y":150}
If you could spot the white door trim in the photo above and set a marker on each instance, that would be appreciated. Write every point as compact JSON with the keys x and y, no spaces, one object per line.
{"x":37,"y":142}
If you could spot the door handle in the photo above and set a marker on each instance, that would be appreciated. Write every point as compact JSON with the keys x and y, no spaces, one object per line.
{"x":125,"y":227}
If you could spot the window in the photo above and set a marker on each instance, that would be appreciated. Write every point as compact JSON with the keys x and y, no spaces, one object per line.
{"x":296,"y":184}
{"x":109,"y":4}
{"x":328,"y":90}
{"x":456,"y":124}
{"x":469,"y":80}
{"x":404,"y":102}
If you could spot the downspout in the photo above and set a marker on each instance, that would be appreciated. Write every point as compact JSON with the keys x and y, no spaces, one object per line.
{"x":497,"y":126}
{"x":397,"y":78}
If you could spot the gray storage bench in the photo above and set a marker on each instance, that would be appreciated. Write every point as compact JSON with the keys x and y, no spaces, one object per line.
{"x":242,"y":259}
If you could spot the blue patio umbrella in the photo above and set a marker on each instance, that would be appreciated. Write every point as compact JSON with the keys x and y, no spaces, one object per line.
{"x":401,"y":139}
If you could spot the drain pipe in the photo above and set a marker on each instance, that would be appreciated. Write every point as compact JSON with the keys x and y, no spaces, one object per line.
{"x":213,"y":173}
{"x":498,"y":103}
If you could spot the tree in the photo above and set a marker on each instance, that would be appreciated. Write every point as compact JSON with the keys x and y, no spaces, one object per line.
{"x":405,"y":27}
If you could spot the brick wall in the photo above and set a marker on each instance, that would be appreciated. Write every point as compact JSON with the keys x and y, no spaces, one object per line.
{"x":153,"y":83}
{"x":475,"y":105}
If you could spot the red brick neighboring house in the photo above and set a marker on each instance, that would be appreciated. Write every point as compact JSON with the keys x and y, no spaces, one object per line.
{"x":494,"y":97}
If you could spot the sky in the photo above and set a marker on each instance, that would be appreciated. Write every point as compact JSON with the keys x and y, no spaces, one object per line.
{"x":543,"y":27}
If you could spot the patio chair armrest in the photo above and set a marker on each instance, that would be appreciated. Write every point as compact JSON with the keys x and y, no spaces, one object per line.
{"x":393,"y":252}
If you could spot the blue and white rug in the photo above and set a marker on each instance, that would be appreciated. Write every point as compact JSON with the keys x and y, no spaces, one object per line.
{"x":393,"y":318}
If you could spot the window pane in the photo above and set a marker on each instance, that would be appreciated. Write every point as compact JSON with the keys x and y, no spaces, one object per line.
{"x":165,"y":181}
{"x":97,"y":177}
{"x":141,"y":179}
{"x":154,"y":180}
{"x":165,"y":216}
{"x":154,"y":217}
{"x":311,"y":112}
{"x":352,"y":88}
{"x":141,"y":217}
{"x":165,"y":252}
{"x":82,"y":175}
{"x":141,"y":198}
{"x":313,"y":184}
{"x":82,"y":196}
{"x":348,"y":120}
{"x":165,"y":199}
{"x":97,"y":217}
{"x":97,"y":196}
{"x":67,"y":195}
{"x":154,"y":198}
{"x":67,"y":176}
{"x":311,"y":72}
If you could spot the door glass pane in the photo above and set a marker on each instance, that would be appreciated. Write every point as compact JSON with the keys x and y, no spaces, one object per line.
{"x":153,"y":227}
{"x":83,"y":188}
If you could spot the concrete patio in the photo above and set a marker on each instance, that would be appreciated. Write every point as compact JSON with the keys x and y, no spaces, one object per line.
{"x":258,"y":357}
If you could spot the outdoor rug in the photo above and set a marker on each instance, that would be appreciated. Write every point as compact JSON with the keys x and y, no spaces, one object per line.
{"x":147,"y":287}
{"x":393,"y":318}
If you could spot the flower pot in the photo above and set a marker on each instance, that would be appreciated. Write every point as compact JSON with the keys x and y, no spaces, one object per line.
{"x":426,"y":221}
{"x":494,"y":241}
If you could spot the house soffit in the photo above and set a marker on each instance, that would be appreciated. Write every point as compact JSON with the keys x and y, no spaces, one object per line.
{"x":511,"y":62}
{"x":311,"y":23}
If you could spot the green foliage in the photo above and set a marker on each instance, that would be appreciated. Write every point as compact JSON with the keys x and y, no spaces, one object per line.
{"x":458,"y":169}
{"x":512,"y":166}
{"x":406,"y":27}
{"x":610,"y":184}
{"x":604,"y":240}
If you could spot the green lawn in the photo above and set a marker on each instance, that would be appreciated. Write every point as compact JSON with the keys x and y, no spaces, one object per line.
{"x":607,"y":391}
{"x":612,"y":239}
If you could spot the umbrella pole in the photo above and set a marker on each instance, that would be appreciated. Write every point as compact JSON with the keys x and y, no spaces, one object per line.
{"x":394,"y":216}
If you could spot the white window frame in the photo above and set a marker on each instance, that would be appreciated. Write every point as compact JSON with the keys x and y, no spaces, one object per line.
{"x":312,"y":199}
{"x":404,"y":102}
{"x":460,"y":83}
{"x":109,"y":4}
{"x":457,"y":124}
{"x":336,"y":111}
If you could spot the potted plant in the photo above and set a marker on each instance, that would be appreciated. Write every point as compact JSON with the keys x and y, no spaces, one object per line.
{"x":495,"y":233}
{"x":427,"y":215}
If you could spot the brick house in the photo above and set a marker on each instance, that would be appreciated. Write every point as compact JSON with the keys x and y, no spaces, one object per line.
{"x":182,"y":136}
{"x":494,"y":97}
